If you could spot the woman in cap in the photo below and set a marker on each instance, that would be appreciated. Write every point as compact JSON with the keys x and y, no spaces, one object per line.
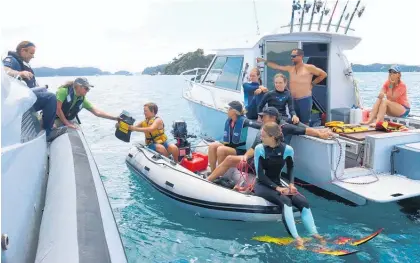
{"x":234,"y":137}
{"x":396,"y":102}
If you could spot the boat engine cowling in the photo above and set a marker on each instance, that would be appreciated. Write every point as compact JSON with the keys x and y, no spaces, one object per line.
{"x":180,"y":133}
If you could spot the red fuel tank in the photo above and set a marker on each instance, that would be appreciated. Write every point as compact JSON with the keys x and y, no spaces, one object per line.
{"x":198,"y":162}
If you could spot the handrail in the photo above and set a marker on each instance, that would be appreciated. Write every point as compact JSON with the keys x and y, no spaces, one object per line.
{"x":192,"y":81}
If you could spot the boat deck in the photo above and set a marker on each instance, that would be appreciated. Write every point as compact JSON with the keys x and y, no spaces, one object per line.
{"x":378,"y":187}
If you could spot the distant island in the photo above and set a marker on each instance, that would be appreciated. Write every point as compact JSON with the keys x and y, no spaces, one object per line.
{"x":190,"y":60}
{"x":183,"y":62}
{"x":75,"y":71}
{"x":197,"y":59}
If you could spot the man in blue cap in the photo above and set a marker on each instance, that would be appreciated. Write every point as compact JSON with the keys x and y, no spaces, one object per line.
{"x":71,"y":99}
{"x":16,"y":65}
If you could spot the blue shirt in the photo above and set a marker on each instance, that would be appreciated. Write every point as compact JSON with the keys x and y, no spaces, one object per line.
{"x":249,"y":89}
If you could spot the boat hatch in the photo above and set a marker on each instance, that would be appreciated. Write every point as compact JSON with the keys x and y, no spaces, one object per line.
{"x":381,"y":188}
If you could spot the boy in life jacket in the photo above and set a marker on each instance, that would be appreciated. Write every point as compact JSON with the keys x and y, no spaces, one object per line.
{"x":154,"y":131}
{"x":71,"y":99}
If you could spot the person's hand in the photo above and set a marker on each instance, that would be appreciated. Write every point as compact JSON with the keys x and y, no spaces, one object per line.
{"x":381,"y":95}
{"x":261,"y":60}
{"x":263,"y":89}
{"x":257,"y":91}
{"x":292,"y":189}
{"x":244,"y":158}
{"x":282,"y":190}
{"x":26,"y":74}
{"x":295,"y":119}
{"x":71,"y":125}
{"x":117,"y":125}
{"x":326,"y":134}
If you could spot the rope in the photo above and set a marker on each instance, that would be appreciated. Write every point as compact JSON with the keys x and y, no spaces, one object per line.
{"x":243,"y":168}
{"x":337,"y":178}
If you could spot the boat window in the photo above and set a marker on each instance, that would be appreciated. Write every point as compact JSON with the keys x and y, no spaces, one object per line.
{"x":279,"y":53}
{"x":225,"y":72}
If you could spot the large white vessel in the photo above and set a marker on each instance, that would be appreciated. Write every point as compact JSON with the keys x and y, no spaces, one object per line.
{"x":54,"y":207}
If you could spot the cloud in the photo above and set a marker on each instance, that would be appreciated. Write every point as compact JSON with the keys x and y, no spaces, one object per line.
{"x":132,"y":34}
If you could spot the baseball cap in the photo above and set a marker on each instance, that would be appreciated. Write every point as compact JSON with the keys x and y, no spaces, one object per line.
{"x":236,"y":105}
{"x":83,"y":82}
{"x":271,"y":111}
{"x":395,"y":68}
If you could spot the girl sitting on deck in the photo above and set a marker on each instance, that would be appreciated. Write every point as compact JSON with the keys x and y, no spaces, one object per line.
{"x":396,"y":102}
{"x":269,"y":158}
{"x":280,"y":98}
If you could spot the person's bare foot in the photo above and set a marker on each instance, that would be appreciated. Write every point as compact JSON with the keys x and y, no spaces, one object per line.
{"x":373,"y":124}
{"x":320,"y":238}
{"x":366,"y":122}
{"x":299,"y":243}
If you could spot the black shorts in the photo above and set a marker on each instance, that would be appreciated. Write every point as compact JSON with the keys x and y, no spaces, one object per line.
{"x":240,"y":151}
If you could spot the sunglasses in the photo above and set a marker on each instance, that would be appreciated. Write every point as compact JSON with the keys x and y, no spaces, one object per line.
{"x":393,"y":72}
{"x":294,"y":56}
{"x":30,"y":44}
{"x":86,"y":88}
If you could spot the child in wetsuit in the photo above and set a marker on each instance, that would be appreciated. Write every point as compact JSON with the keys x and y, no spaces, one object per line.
{"x":280,"y":98}
{"x":269,"y":159}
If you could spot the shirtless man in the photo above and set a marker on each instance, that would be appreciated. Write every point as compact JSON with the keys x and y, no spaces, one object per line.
{"x":301,"y":83}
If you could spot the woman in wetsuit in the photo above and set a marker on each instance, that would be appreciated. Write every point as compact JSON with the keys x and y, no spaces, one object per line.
{"x":270,"y":156}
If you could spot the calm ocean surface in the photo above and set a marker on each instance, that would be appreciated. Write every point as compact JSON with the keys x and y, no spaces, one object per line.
{"x":153,"y":230}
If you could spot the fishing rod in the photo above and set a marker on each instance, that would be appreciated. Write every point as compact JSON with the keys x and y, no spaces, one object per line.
{"x":332,"y":14}
{"x":322,"y":16}
{"x":341,"y":17}
{"x":303,"y":15}
{"x":312,"y":16}
{"x":293,"y":16}
{"x":351,"y":18}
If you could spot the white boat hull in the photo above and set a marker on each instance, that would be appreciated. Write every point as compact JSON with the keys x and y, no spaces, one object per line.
{"x":200,"y":197}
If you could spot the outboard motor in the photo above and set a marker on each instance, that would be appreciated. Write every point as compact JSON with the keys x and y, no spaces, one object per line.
{"x":194,"y":162}
{"x":180,"y":133}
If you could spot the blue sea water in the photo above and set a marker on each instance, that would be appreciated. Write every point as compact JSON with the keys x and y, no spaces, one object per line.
{"x":153,"y":230}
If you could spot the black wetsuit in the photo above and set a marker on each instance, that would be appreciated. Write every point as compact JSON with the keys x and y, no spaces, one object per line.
{"x":287,"y":129}
{"x":279,"y":100}
{"x":269,"y":163}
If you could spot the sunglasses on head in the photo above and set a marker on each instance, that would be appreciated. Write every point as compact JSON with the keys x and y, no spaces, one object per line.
{"x":30,"y":44}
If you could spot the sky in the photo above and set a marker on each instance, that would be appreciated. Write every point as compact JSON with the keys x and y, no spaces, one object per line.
{"x":133,"y":34}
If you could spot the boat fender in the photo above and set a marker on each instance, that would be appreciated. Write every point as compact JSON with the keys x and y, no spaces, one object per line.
{"x":4,"y":241}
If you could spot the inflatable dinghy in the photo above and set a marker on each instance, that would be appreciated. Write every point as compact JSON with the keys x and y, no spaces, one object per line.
{"x":193,"y":192}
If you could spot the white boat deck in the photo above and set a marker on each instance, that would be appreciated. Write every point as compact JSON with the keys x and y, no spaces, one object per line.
{"x":380,"y":187}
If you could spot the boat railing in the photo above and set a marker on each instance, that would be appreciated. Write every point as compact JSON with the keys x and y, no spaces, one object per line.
{"x":195,"y":80}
